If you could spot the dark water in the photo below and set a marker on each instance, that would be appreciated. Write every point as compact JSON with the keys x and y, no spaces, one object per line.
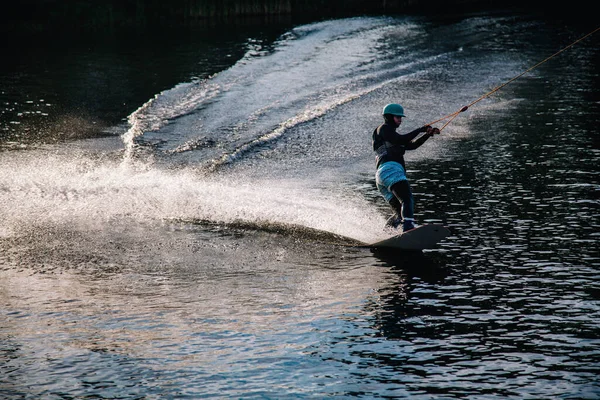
{"x":172,"y":208}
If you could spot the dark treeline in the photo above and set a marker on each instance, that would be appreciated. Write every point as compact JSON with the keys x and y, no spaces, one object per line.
{"x":82,"y":14}
{"x":38,"y":15}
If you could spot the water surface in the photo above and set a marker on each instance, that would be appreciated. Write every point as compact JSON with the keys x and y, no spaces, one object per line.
{"x":177,"y":217}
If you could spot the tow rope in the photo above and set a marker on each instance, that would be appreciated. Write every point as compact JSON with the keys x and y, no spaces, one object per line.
{"x":465,"y":108}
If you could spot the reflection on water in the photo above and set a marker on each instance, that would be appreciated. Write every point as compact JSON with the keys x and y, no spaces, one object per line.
{"x":107,"y":293}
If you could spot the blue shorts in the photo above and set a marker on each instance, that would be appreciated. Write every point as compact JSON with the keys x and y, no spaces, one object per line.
{"x":387,"y":175}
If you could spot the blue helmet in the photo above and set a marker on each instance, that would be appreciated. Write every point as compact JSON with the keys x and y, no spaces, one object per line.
{"x":394,"y":109}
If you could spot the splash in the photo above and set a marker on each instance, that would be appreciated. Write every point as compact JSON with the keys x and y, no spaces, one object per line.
{"x":92,"y":193}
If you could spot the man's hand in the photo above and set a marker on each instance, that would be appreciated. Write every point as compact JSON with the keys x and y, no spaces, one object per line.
{"x":432,"y":131}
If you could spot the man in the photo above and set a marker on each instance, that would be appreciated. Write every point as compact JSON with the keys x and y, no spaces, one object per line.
{"x":390,"y":177}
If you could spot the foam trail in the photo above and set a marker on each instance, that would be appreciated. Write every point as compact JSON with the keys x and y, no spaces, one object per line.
{"x":313,"y":68}
{"x":315,"y":111}
{"x":156,"y":112}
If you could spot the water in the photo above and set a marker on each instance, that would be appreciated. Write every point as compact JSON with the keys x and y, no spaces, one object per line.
{"x":177,"y":214}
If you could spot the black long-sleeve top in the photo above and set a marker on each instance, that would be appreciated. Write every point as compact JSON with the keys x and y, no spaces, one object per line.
{"x":389,"y":145}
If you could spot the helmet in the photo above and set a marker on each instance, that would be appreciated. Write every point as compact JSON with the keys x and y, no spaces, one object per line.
{"x":394,"y":109}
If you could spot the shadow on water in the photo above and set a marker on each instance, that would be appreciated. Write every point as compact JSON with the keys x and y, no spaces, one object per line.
{"x":412,"y":264}
{"x":402,"y":303}
{"x":409,"y":269}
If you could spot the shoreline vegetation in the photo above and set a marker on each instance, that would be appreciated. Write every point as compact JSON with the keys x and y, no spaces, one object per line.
{"x":41,"y":15}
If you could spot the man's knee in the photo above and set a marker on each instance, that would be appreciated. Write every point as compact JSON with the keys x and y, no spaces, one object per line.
{"x":402,"y":190}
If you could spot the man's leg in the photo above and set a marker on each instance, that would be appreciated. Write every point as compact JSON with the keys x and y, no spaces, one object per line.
{"x":403,"y":193}
{"x":395,"y":219}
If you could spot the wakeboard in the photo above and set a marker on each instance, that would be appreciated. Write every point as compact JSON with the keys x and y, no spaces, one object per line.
{"x":421,"y":238}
